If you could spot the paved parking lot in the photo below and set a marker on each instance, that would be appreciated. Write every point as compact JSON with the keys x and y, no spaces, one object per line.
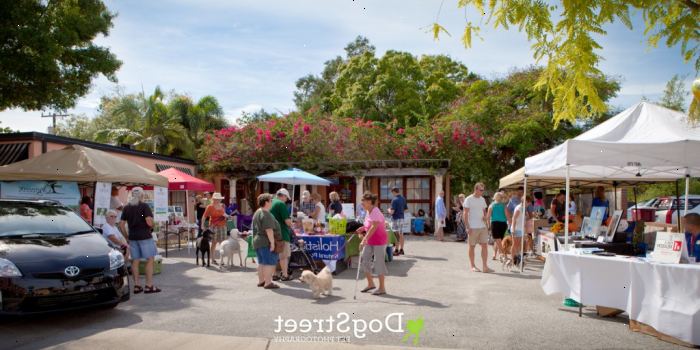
{"x":460,"y":309}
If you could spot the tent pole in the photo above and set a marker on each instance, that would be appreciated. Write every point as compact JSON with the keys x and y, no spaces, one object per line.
{"x":687,"y":191}
{"x":678,"y":206}
{"x":523,"y":211}
{"x":566,"y":211}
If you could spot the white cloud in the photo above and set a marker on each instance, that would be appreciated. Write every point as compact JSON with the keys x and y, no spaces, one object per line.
{"x":233,"y":115}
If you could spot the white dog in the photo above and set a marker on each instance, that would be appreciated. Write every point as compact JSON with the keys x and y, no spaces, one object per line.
{"x":321,"y":283}
{"x":230,"y":247}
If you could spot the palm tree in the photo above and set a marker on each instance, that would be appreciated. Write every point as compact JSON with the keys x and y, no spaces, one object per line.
{"x":152,"y":127}
{"x":198,"y":118}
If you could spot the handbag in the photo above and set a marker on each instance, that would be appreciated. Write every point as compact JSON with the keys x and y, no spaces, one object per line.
{"x":279,"y":243}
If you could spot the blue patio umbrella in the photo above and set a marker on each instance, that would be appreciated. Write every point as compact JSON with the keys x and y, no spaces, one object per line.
{"x":294,"y":177}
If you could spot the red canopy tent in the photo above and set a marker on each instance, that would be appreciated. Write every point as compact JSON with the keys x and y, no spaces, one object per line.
{"x":179,"y":181}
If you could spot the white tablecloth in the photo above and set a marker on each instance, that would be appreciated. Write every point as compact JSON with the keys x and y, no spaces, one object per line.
{"x":666,"y":297}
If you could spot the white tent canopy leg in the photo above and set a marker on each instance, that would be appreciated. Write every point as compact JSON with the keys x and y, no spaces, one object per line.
{"x":566,"y":211}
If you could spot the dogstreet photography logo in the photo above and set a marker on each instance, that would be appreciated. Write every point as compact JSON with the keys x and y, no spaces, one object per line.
{"x":342,"y":328}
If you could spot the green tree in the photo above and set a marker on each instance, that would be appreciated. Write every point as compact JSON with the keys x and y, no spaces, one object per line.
{"x":47,"y":57}
{"x":150,"y":125}
{"x":5,"y":130}
{"x":674,"y":94}
{"x":78,"y":127}
{"x":249,"y":118}
{"x":563,"y":35}
{"x":198,"y":118}
{"x":515,"y":121}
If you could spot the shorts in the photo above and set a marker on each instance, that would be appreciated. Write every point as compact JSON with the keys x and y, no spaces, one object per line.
{"x":143,"y":249}
{"x":498,"y":229}
{"x":374,"y":254}
{"x":478,"y":236}
{"x":518,"y":233}
{"x":266,"y":257}
{"x":219,"y":233}
{"x":397,"y":225}
{"x":286,"y":252}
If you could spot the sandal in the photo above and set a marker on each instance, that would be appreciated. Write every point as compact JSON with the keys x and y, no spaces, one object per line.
{"x":138,"y":289}
{"x":367,"y":289}
{"x":261,"y":284}
{"x":285,"y":279}
{"x":271,"y":286}
{"x":151,"y":289}
{"x":379,"y":292}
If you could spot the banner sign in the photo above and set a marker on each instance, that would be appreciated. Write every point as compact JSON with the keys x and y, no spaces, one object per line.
{"x":103,"y":195}
{"x":64,"y":192}
{"x":328,"y":247}
{"x":160,"y":204}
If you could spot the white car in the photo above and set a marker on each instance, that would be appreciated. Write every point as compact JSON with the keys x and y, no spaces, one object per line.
{"x":666,"y":212}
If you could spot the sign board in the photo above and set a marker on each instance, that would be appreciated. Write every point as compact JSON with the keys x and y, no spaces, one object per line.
{"x":64,"y":192}
{"x":669,"y":247}
{"x":160,"y":204}
{"x":546,"y":242}
{"x":103,"y":195}
{"x":349,"y":210}
{"x":328,"y":247}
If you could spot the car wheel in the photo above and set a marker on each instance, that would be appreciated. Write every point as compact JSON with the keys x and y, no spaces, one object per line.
{"x":109,"y":306}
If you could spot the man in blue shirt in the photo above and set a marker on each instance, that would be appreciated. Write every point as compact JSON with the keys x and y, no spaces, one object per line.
{"x":692,"y":234}
{"x":514,"y":201}
{"x":440,"y":216}
{"x":398,"y":205}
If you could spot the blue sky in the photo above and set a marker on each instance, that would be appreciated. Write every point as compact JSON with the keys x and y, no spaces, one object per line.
{"x":248,"y":54}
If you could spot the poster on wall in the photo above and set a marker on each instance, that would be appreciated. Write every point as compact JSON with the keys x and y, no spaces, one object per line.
{"x":160,"y":204}
{"x":103,"y":195}
{"x":64,"y":192}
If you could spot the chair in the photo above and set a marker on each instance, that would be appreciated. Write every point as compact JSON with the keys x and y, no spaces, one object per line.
{"x":251,"y":252}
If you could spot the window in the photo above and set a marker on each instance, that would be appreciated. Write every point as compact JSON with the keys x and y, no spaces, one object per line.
{"x":417,"y":190}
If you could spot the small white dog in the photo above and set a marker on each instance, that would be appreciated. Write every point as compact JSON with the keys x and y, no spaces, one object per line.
{"x":321,"y":283}
{"x":230,"y":247}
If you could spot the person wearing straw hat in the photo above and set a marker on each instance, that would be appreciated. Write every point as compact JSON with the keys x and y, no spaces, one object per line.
{"x":216,"y":213}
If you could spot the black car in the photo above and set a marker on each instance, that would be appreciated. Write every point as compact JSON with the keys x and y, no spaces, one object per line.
{"x":52,"y":260}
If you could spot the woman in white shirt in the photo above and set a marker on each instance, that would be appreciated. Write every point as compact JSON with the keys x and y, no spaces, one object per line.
{"x":319,"y":213}
{"x":112,"y":234}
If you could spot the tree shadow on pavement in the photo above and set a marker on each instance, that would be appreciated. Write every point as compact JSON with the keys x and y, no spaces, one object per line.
{"x":428,"y":258}
{"x":302,"y":293}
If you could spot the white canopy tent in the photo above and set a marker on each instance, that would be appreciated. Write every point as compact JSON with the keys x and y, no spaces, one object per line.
{"x":644,"y":143}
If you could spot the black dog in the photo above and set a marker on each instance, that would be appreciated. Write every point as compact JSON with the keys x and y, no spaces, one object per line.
{"x":203,"y":246}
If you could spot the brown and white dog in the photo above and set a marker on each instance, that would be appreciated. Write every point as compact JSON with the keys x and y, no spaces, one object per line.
{"x":321,"y":283}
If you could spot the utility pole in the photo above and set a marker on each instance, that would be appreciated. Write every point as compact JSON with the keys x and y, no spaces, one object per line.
{"x":53,"y":116}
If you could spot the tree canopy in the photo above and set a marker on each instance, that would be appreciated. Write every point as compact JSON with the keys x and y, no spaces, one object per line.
{"x":47,"y":57}
{"x":564,"y":40}
{"x":166,"y":123}
{"x":397,"y":86}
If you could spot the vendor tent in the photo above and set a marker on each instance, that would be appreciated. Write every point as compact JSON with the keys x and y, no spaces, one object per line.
{"x":81,"y":164}
{"x":294,"y":176}
{"x":179,"y":181}
{"x":644,"y":143}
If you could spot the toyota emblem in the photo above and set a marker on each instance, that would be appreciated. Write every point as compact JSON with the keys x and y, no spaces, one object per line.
{"x":71,"y":271}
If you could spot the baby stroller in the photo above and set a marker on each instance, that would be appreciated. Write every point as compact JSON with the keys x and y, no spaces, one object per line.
{"x":300,"y":259}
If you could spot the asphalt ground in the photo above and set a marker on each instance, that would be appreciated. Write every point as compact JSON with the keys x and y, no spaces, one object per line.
{"x":460,"y":309}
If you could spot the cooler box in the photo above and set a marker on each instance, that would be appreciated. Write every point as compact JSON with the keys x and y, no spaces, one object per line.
{"x":418,"y":225}
{"x":157,"y":265}
{"x":644,"y":214}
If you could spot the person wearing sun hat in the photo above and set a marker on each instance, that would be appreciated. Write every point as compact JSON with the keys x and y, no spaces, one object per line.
{"x":216,"y":213}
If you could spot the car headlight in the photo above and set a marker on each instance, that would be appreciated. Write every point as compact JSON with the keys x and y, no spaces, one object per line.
{"x":8,"y":269}
{"x":116,"y":260}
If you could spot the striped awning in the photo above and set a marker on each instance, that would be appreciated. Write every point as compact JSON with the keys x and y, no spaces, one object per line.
{"x":13,"y":152}
{"x":161,"y":167}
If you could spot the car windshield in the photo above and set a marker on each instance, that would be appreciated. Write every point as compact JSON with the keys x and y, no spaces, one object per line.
{"x":22,"y":218}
